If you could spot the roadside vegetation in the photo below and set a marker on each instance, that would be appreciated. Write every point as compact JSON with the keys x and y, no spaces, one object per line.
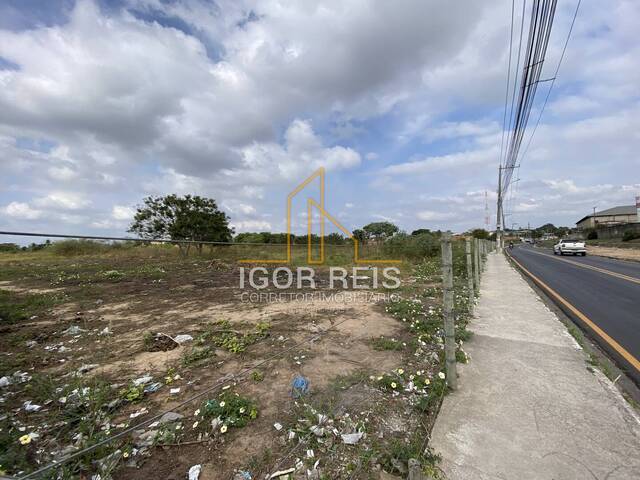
{"x":97,"y":337}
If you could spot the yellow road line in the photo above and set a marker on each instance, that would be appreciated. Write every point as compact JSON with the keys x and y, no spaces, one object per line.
{"x":596,"y":329}
{"x":590,"y":267}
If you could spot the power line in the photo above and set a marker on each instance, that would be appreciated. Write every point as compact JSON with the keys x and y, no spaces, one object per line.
{"x":553,"y":80}
{"x":540,"y":26}
{"x":506,"y":93}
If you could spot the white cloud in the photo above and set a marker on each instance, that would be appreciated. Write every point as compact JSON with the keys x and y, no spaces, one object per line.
{"x":431,"y":215}
{"x":21,"y":211}
{"x":62,"y":173}
{"x":120,"y":212}
{"x":63,"y":200}
{"x":444,"y":162}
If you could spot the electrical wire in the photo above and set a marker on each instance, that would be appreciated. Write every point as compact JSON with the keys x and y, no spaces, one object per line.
{"x":553,"y":80}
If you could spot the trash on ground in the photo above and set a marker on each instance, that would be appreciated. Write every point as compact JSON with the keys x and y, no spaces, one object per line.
{"x":194,"y":472}
{"x":282,"y":473}
{"x":31,"y":407}
{"x":142,"y":380}
{"x":180,"y":339}
{"x":174,"y":391}
{"x":277,"y":426}
{"x":73,"y":330}
{"x":154,"y":387}
{"x":299,"y":386}
{"x":142,"y":411}
{"x":351,"y":438}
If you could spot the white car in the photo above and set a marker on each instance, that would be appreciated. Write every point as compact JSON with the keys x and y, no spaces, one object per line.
{"x":570,"y":245}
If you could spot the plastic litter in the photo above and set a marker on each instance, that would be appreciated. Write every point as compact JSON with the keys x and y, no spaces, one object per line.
{"x":174,"y":391}
{"x":282,"y":473}
{"x":73,"y":330}
{"x":242,"y":475}
{"x":142,"y":411}
{"x":142,"y":380}
{"x":154,"y":387}
{"x":351,"y":438}
{"x":194,"y":472}
{"x":277,"y":426}
{"x":183,"y":339}
{"x":31,"y":407}
{"x":299,"y":386}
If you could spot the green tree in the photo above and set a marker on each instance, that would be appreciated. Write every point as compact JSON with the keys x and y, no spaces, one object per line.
{"x":360,"y":235}
{"x":181,"y":218}
{"x":380,"y":230}
{"x":479,"y":233}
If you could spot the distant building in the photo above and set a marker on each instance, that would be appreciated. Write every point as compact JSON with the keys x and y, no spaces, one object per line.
{"x":611,"y":216}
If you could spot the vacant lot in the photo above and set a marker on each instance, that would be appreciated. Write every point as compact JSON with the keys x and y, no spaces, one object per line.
{"x":95,"y":344}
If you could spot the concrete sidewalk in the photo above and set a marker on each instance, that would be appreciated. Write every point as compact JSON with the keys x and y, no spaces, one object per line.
{"x":527,"y":407}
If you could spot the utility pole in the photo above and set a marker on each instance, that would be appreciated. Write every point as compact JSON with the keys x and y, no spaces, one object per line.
{"x":499,"y":211}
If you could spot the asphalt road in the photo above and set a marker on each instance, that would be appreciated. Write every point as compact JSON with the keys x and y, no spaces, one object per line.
{"x":605,"y":291}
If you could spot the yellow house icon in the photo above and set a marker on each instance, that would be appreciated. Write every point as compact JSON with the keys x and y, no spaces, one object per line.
{"x":311,"y":204}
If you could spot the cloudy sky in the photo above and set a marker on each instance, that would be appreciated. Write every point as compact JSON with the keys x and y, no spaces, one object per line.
{"x":103,"y":102}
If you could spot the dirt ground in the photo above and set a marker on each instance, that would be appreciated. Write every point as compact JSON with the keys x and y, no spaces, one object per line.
{"x":82,"y":333}
{"x":613,"y":252}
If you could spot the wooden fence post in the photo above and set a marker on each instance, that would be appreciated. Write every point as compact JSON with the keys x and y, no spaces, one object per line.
{"x":472,"y":297}
{"x":476,"y":264}
{"x":447,"y":310}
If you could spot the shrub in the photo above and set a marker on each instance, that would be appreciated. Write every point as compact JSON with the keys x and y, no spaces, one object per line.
{"x":592,"y":235}
{"x":629,"y":235}
{"x":412,"y":246}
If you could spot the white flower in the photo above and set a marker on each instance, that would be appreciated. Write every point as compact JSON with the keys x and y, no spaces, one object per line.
{"x":242,"y":410}
{"x":25,"y":439}
{"x":196,"y":413}
{"x":223,"y":429}
{"x":400,"y":371}
{"x":441,"y":375}
{"x":393,"y":385}
{"x":222,"y":404}
{"x":195,"y":424}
